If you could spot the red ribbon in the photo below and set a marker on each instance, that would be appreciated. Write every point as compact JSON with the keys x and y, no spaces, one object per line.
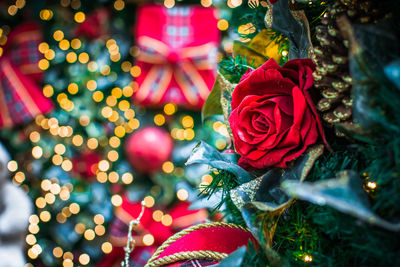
{"x":181,"y":64}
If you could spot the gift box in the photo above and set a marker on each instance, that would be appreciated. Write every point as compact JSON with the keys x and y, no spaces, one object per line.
{"x":180,"y":217}
{"x":177,"y":56}
{"x":21,"y":98}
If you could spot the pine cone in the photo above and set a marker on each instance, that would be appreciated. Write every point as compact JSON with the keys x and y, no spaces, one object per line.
{"x":332,"y":75}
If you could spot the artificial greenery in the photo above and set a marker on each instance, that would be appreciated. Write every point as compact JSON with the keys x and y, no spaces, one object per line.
{"x":322,"y":236}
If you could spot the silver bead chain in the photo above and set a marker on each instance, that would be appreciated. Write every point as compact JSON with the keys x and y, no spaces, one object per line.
{"x":130,"y":243}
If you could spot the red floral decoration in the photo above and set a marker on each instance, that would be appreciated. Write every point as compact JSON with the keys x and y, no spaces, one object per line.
{"x":273,"y":118}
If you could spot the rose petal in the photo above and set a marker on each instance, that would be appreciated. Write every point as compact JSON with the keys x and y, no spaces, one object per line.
{"x":270,"y":64}
{"x":299,"y":107}
{"x":261,"y":88}
{"x":285,"y":103}
{"x":291,"y":74}
{"x":272,"y":75}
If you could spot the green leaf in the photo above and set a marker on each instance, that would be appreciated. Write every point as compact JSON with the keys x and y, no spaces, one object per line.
{"x":203,"y":153}
{"x":235,"y":259}
{"x":262,"y":201}
{"x":212,"y":106}
{"x":344,"y":193}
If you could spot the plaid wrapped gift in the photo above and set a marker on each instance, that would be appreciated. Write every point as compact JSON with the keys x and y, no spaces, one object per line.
{"x":177,"y":55}
{"x":21,"y":99}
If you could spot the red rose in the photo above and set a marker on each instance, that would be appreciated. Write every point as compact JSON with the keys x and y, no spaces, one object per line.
{"x":273,"y":119}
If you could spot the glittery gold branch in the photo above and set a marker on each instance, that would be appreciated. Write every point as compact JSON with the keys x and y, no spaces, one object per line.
{"x":261,"y":48}
{"x":226,"y":98}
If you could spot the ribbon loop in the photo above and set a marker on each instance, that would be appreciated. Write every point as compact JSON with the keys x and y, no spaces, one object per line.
{"x":181,"y":65}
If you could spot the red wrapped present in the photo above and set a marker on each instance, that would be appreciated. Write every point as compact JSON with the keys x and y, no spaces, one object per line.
{"x":179,"y":215}
{"x":96,"y":24}
{"x":201,"y":245}
{"x":177,"y":55}
{"x":21,"y":98}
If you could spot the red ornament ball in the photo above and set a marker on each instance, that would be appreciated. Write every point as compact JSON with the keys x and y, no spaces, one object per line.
{"x":86,"y":164}
{"x":148,"y":148}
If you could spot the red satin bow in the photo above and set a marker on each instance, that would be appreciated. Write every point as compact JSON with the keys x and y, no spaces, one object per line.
{"x":21,"y":99}
{"x":181,"y":65}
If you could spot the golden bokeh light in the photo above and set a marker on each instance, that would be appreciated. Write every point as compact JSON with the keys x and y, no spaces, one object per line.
{"x":66,"y":165}
{"x":126,"y":66}
{"x":114,"y":142}
{"x":50,"y":54}
{"x":223,"y":24}
{"x":83,"y":58}
{"x":76,"y":43}
{"x":30,"y":239}
{"x":135,"y":71}
{"x":37,"y":152}
{"x":104,"y":165}
{"x":106,"y":247}
{"x":182,"y":194}
{"x":43,"y":47}
{"x":80,"y":228}
{"x":57,"y":252}
{"x":187,"y":122}
{"x":148,"y":239}
{"x":170,"y":108}
{"x":59,"y":149}
{"x":157,"y":215}
{"x":64,"y":44}
{"x":166,"y":220}
{"x":99,"y":230}
{"x":168,"y":167}
{"x":113,"y":177}
{"x":119,"y":5}
{"x":98,"y":219}
{"x":71,"y":57}
{"x":91,"y":85}
{"x":206,"y":3}
{"x":48,"y":90}
{"x":43,"y":64}
{"x":12,"y":165}
{"x":73,"y":88}
{"x":149,"y":201}
{"x":74,"y":208}
{"x":98,"y":96}
{"x":169,"y":3}
{"x":84,"y":259}
{"x":79,"y":17}
{"x":112,"y":155}
{"x":101,"y":177}
{"x":19,"y":177}
{"x":40,"y":202}
{"x":116,"y":200}
{"x":89,"y":234}
{"x":124,"y":105}
{"x":45,"y":216}
{"x":127,"y":178}
{"x":34,"y":137}
{"x":159,"y":119}
{"x":77,"y":140}
{"x":58,"y":36}
{"x":92,"y":143}
{"x":50,"y":198}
